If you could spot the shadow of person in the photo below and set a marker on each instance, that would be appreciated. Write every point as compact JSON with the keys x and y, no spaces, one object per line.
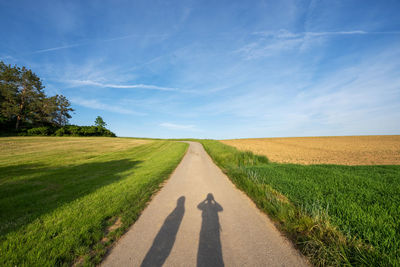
{"x":165,"y":239}
{"x":210,"y":252}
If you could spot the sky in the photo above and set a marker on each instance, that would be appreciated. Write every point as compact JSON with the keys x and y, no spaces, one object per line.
{"x":214,"y":69}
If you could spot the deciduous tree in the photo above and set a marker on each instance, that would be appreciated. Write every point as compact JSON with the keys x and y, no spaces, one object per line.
{"x":100,"y":122}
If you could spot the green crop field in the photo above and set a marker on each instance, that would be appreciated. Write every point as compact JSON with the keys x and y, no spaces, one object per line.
{"x":65,"y":200}
{"x":336,"y":215}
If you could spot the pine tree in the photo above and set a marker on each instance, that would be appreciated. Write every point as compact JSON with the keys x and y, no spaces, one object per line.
{"x":22,"y":99}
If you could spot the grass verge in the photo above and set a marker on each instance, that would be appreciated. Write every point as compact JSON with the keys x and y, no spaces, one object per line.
{"x":65,"y":200}
{"x":336,"y":215}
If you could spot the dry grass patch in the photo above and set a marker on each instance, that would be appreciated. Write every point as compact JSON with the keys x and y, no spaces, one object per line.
{"x":343,"y":150}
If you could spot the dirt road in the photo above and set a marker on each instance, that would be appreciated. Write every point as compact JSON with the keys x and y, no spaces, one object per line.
{"x":199,"y":218}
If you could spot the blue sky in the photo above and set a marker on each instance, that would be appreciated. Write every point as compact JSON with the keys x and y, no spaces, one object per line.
{"x":215,"y":69}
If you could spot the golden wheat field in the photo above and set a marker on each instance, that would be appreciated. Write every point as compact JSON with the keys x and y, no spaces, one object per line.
{"x":344,"y":150}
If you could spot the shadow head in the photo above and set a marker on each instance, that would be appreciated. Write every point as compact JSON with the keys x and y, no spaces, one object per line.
{"x":180,"y":201}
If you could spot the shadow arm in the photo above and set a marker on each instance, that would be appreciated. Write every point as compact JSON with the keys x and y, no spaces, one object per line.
{"x":218,"y":207}
{"x":201,"y":205}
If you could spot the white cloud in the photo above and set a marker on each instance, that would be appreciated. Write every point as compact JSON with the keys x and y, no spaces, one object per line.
{"x":174,"y":126}
{"x":95,"y":104}
{"x":56,"y":48}
{"x":7,"y":57}
{"x":129,"y":86}
{"x":283,"y":33}
{"x":265,"y":48}
{"x":109,"y":85}
{"x":273,"y":42}
{"x":335,"y":33}
{"x":158,"y":36}
{"x":359,"y":98}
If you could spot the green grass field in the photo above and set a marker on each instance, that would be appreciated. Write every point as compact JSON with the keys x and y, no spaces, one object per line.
{"x":336,"y":215}
{"x":59,"y":196}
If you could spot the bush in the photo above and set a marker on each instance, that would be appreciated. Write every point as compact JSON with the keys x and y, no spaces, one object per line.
{"x":45,"y":131}
{"x":70,"y":130}
{"x":75,"y":130}
{"x":61,"y":132}
{"x":90,"y":131}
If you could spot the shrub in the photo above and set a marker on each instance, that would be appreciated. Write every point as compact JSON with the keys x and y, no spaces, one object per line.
{"x":75,"y":130}
{"x":69,"y":130}
{"x":40,"y":131}
{"x":60,"y":132}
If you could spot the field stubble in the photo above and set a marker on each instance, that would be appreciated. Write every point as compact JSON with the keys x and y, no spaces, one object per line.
{"x":342,"y":150}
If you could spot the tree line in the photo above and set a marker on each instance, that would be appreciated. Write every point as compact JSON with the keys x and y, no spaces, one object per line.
{"x":26,"y":109}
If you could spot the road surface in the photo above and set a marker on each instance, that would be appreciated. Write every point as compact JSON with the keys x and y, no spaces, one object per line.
{"x":199,"y":218}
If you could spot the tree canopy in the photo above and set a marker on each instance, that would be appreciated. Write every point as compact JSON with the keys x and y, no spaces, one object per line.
{"x":26,"y":110}
{"x":23,"y":102}
{"x":99,"y":122}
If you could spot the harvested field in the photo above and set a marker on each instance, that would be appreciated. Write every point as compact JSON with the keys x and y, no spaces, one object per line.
{"x":343,"y":150}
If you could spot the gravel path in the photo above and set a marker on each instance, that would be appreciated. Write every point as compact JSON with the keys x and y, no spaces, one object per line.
{"x":199,"y":218}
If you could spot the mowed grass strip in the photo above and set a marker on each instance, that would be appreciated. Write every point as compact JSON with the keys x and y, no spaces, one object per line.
{"x":65,"y":200}
{"x":336,"y":215}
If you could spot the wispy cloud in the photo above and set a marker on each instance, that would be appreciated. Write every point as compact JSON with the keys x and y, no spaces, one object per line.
{"x":129,"y":86}
{"x":56,"y":48}
{"x":174,"y":126}
{"x":95,"y":104}
{"x":273,"y":42}
{"x":264,"y":48}
{"x":360,"y":98}
{"x":288,"y":34}
{"x":6,"y":57}
{"x":162,"y":36}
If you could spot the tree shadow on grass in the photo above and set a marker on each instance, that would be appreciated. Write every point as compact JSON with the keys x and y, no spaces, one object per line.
{"x":24,"y":200}
{"x":13,"y":172}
